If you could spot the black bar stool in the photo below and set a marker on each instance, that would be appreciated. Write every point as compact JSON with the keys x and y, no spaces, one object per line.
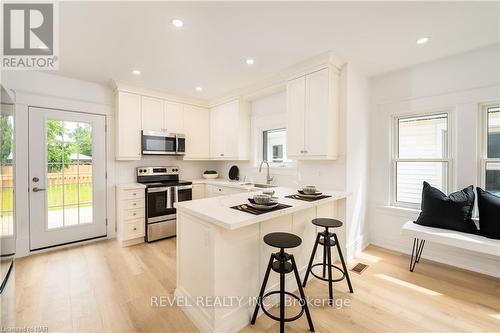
{"x":325,"y":239}
{"x":282,"y":263}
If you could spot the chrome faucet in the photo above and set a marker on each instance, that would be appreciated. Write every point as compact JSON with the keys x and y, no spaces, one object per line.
{"x":269,"y":179}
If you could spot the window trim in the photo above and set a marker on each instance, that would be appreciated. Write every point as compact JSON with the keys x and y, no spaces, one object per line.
{"x":483,"y":142}
{"x":448,"y":159}
{"x":260,"y":150}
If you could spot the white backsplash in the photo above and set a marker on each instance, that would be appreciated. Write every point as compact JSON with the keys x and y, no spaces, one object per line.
{"x":125,"y":170}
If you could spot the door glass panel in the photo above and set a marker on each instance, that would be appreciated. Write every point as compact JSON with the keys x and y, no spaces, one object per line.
{"x":69,"y":173}
{"x":6,"y":175}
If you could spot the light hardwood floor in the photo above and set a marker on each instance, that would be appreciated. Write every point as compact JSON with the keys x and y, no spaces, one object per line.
{"x":104,"y":288}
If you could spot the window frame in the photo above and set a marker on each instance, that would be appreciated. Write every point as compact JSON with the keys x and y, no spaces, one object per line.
{"x":483,"y":142}
{"x":280,"y":165}
{"x":448,"y":159}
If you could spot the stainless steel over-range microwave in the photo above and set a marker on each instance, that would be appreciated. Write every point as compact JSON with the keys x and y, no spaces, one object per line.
{"x":163,"y":143}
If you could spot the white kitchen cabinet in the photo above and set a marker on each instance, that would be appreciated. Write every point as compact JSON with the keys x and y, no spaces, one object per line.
{"x":130,"y":214}
{"x":128,"y":126}
{"x":174,"y":117}
{"x":230,"y":131}
{"x":197,"y":132}
{"x":312,"y":115}
{"x":199,"y":191}
{"x":152,"y":114}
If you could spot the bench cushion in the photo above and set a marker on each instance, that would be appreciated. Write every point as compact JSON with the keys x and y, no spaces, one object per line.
{"x":453,"y":238}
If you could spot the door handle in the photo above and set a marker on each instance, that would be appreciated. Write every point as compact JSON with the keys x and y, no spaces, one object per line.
{"x":36,"y":189}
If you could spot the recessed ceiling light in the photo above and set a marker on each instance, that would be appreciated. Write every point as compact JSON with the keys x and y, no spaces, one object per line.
{"x":177,"y":23}
{"x":199,"y":89}
{"x":136,"y":72}
{"x":423,"y":40}
{"x":249,"y":61}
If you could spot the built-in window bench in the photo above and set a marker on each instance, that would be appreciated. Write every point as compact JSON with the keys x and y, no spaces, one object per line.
{"x":471,"y":242}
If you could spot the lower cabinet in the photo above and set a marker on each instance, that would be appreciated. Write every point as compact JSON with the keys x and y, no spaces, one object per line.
{"x":130,"y":214}
{"x":199,"y":191}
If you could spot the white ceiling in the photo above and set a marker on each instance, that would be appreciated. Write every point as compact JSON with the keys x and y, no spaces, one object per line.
{"x":103,"y":41}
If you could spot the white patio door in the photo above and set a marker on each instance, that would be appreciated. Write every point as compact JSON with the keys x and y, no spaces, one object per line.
{"x":67,"y":177}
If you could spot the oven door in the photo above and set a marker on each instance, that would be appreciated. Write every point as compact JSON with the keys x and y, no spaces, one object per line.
{"x":158,"y":143}
{"x":160,"y":204}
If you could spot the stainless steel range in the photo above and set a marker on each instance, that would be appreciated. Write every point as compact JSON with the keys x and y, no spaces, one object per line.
{"x":163,"y":189}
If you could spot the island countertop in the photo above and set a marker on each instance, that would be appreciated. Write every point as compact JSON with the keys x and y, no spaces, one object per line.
{"x":217,"y":210}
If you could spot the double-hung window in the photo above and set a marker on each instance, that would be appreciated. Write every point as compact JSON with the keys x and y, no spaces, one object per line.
{"x":420,"y":153}
{"x":490,"y":164}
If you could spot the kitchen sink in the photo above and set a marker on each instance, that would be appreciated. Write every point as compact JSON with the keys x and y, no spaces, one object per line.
{"x":263,"y":185}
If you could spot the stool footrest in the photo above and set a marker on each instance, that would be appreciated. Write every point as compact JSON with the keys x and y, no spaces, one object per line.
{"x":278,"y":318}
{"x":326,"y":279}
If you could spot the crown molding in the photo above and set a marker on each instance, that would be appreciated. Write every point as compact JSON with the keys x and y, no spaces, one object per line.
{"x":117,"y":85}
{"x":277,"y":82}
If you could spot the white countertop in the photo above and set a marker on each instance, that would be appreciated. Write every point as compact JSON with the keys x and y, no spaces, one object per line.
{"x":217,"y":210}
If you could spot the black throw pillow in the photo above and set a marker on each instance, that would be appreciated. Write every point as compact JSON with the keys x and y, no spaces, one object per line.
{"x":447,"y":212}
{"x":489,"y":214}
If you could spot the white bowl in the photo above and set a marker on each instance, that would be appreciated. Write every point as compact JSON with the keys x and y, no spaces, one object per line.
{"x":210,"y":175}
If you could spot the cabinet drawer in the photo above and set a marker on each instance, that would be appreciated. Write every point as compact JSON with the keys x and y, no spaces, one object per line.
{"x":133,"y":229}
{"x":133,"y":204}
{"x":133,"y":194}
{"x":130,"y":214}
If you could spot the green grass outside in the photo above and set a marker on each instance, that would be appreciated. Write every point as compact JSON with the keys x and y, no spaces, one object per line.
{"x":55,"y":196}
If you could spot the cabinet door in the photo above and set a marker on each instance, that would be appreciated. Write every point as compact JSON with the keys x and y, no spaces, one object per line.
{"x":296,"y":100}
{"x":317,"y":115}
{"x":174,"y":117}
{"x":217,"y":132}
{"x":230,"y":129}
{"x":128,"y":127}
{"x":152,"y":114}
{"x":197,"y":131}
{"x":198,"y":191}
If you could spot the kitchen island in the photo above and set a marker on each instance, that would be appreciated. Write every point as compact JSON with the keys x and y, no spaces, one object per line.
{"x":221,"y":258}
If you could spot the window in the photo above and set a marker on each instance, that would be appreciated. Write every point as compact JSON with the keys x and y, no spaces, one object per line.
{"x":491,"y":155}
{"x":420,"y":154}
{"x":274,"y":147}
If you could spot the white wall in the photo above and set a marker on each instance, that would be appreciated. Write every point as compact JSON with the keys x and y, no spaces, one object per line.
{"x":458,"y":84}
{"x":357,"y":158}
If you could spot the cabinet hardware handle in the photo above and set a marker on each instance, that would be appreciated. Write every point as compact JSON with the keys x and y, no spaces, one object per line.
{"x":135,"y":228}
{"x":135,"y":214}
{"x":134,"y":193}
{"x":135,"y":204}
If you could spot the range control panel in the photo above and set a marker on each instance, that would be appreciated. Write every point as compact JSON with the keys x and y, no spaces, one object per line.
{"x":158,"y":171}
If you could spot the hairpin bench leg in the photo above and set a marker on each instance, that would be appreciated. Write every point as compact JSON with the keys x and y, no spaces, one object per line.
{"x":416,"y":253}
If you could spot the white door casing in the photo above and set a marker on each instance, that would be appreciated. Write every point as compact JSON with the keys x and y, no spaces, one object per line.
{"x":80,"y":221}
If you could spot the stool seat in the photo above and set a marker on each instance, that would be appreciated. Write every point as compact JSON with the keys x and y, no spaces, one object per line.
{"x":327,"y":223}
{"x":282,"y":240}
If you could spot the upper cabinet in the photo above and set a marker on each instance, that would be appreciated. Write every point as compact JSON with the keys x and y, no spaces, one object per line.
{"x":197,"y":131}
{"x":230,"y":131}
{"x":136,"y":112}
{"x":174,"y":117}
{"x":128,"y":126}
{"x":152,"y":114}
{"x":312,"y":115}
